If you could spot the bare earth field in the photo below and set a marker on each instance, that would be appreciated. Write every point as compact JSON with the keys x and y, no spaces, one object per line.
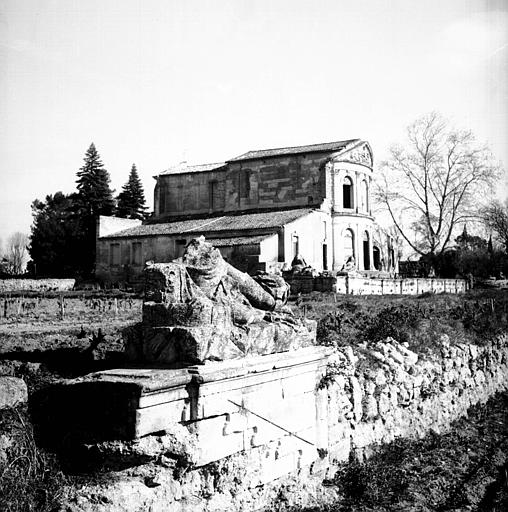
{"x":54,"y":340}
{"x":462,"y":470}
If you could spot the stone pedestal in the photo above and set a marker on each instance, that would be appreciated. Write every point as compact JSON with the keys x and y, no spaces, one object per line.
{"x":224,"y":407}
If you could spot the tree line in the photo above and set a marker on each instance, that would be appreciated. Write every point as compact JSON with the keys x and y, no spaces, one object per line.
{"x":63,"y":233}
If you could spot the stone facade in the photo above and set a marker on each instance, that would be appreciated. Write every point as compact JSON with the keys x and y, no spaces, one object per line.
{"x":324,"y":190}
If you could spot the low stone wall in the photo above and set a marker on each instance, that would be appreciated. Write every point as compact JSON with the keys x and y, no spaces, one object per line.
{"x":36,"y":285}
{"x":233,"y":435}
{"x":376,"y":286}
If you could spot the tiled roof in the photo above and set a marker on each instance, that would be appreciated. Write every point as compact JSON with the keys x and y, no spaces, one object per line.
{"x":244,"y":222}
{"x":312,"y":148}
{"x":237,"y":240}
{"x":183,"y":168}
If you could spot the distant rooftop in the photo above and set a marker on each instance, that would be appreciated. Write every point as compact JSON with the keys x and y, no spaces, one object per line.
{"x":184,"y":167}
{"x":312,"y":148}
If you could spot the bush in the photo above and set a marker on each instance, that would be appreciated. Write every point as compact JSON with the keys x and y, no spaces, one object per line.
{"x":420,"y":321}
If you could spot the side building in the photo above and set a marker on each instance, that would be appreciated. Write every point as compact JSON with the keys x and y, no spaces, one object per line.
{"x":261,"y":209}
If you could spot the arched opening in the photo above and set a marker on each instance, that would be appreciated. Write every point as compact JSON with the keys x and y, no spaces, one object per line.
{"x":376,"y":254}
{"x":366,"y":251}
{"x":348,"y":240}
{"x":347,"y":193}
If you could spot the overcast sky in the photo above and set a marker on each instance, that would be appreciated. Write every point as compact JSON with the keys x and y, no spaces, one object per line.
{"x":158,"y":82}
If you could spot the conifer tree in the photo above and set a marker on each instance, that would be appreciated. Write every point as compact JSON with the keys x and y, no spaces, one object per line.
{"x":93,"y":185}
{"x":94,"y":198}
{"x":131,"y":200}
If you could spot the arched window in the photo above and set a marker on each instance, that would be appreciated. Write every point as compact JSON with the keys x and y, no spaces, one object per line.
{"x":364,"y":195}
{"x":348,"y":243}
{"x":366,"y":251}
{"x":347,"y":193}
{"x":376,"y":253}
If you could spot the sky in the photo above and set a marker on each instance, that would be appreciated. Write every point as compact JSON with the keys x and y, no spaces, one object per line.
{"x":159,"y":82}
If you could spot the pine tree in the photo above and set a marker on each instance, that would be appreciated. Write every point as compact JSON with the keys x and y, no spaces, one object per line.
{"x":93,"y":185}
{"x":131,"y":200}
{"x":94,"y":198}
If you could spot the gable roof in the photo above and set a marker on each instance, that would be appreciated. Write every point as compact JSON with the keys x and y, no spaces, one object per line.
{"x":183,"y":168}
{"x":244,"y":222}
{"x":312,"y":148}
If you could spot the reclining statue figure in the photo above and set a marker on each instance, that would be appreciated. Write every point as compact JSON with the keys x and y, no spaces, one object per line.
{"x":199,"y":307}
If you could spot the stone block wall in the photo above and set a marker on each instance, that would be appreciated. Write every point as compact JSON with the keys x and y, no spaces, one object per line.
{"x":292,"y":180}
{"x":36,"y":285}
{"x":377,"y":286}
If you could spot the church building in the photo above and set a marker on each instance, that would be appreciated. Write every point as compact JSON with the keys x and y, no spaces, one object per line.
{"x":260,"y":209}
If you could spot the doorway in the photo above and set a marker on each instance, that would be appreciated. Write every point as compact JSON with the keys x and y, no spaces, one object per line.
{"x":366,"y":251}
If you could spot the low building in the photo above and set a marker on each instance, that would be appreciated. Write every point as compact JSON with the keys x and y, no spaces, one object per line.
{"x":261,"y":209}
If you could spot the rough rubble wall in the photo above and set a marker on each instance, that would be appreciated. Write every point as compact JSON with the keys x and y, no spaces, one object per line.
{"x":368,"y":396}
{"x":386,"y":392}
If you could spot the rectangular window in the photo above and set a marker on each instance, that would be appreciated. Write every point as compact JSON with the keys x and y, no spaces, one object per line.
{"x":244,"y":183}
{"x":180,"y":245}
{"x":162,"y":200}
{"x":325,"y":257}
{"x":114,"y":254}
{"x":137,"y":253}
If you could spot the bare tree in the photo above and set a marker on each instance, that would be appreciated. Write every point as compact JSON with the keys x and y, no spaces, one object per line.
{"x":495,"y":217}
{"x":16,"y":253}
{"x":434,"y":182}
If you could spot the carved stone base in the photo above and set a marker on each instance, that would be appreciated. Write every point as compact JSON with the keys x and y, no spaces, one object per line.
{"x":219,"y":342}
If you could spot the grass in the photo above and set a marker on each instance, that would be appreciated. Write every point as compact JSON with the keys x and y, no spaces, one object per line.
{"x":30,"y":479}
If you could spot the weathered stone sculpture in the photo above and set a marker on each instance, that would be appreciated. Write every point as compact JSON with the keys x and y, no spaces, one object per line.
{"x":200,"y":308}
